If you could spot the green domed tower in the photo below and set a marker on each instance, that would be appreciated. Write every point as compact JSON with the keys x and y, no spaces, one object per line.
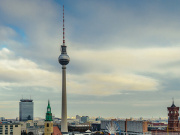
{"x":48,"y":113}
{"x":48,"y":125}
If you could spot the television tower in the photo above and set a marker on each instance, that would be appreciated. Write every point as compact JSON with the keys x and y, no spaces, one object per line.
{"x":64,"y":60}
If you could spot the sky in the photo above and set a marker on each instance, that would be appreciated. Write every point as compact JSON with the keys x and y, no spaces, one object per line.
{"x":125,"y":56}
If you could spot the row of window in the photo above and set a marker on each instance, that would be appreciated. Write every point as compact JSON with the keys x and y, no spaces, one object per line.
{"x":6,"y":129}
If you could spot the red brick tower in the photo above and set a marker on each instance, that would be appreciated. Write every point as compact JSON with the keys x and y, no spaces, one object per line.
{"x":173,"y":122}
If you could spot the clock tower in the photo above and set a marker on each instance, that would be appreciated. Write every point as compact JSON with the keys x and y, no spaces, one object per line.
{"x":173,"y":121}
{"x":48,"y":125}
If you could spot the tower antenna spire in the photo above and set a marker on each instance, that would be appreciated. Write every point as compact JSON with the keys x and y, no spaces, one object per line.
{"x":63,"y":28}
{"x":173,"y":100}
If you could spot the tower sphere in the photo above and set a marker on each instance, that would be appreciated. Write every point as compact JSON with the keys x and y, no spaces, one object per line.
{"x":63,"y":59}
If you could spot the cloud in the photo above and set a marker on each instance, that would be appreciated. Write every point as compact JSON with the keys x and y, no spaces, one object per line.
{"x":16,"y":71}
{"x":115,"y":48}
{"x":6,"y":33}
{"x":40,"y":26}
{"x":96,"y":80}
{"x":112,"y":24}
{"x":110,"y":84}
{"x":128,"y":60}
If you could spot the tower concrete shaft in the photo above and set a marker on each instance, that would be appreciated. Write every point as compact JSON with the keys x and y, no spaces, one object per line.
{"x":64,"y":60}
{"x":64,"y":128}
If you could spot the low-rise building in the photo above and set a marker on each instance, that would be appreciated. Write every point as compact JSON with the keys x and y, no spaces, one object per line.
{"x":10,"y":129}
{"x":154,"y":126}
{"x":126,"y":126}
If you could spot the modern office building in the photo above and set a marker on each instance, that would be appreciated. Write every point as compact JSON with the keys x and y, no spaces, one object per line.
{"x":26,"y":109}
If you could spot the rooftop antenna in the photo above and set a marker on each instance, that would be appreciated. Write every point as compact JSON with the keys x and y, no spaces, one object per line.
{"x":63,"y":28}
{"x":173,"y":100}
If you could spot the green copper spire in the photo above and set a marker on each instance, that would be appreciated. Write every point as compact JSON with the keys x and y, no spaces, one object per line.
{"x":48,"y":114}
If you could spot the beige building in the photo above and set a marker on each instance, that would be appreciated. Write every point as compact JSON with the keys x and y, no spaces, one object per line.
{"x":48,"y":130}
{"x":30,"y":123}
{"x":36,"y":127}
{"x":10,"y":129}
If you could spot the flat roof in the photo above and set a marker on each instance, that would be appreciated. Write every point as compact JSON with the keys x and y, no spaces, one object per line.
{"x":9,"y":124}
{"x":26,"y":100}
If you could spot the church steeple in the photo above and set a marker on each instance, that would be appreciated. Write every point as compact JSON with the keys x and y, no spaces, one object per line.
{"x":48,"y":113}
{"x":173,"y":105}
{"x":48,"y":124}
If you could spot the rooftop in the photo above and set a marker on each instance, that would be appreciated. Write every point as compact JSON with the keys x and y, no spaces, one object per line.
{"x":26,"y":100}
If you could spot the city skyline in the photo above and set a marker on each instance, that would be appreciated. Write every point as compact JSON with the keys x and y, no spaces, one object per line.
{"x":125,"y":56}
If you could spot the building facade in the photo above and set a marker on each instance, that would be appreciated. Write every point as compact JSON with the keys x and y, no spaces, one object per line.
{"x":26,"y":109}
{"x":127,"y":126}
{"x":10,"y":129}
{"x":78,"y":117}
{"x":173,"y":121}
{"x":173,"y":127}
{"x":84,"y":119}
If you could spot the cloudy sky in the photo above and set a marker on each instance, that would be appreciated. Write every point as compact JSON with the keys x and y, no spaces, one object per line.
{"x":125,"y":56}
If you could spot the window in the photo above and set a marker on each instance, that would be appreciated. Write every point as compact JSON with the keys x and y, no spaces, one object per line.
{"x":47,"y":124}
{"x":27,"y":124}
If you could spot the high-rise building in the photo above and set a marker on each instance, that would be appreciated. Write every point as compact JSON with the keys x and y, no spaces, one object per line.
{"x":48,"y":125}
{"x":64,"y":60}
{"x":26,"y":109}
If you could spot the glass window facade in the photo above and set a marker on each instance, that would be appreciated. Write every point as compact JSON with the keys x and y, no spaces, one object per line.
{"x":26,"y":109}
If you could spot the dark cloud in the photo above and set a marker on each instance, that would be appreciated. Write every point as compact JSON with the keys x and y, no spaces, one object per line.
{"x":142,"y":25}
